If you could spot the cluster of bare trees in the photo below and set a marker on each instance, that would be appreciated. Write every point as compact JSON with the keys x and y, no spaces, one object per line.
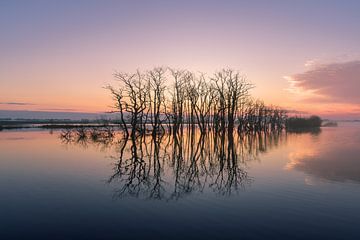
{"x":171,"y":166}
{"x":168,"y":99}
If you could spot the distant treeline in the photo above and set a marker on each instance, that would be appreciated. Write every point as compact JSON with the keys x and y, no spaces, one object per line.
{"x":53,"y":123}
{"x":165,"y":98}
{"x":298,"y":122}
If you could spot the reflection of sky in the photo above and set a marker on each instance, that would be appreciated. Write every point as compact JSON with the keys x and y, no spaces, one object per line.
{"x":334,"y":156}
{"x":49,"y":188}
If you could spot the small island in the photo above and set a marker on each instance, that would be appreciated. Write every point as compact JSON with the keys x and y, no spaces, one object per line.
{"x":294,"y":123}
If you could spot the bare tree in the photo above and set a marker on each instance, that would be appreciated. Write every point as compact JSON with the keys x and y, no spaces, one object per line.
{"x":134,"y":98}
{"x":156,"y":81}
{"x":170,"y":99}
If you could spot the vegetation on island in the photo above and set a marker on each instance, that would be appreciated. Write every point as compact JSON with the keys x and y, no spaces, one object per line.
{"x":167,"y":99}
{"x":303,"y":123}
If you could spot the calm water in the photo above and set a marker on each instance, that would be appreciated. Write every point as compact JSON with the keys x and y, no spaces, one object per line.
{"x":282,"y":186}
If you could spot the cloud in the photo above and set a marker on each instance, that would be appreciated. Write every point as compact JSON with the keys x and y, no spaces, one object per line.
{"x":58,"y":109}
{"x":334,"y":82}
{"x":310,"y":63}
{"x":16,"y":103}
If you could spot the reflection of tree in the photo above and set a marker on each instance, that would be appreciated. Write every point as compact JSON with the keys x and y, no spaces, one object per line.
{"x":314,"y":131}
{"x":100,"y":138}
{"x":231,"y":175}
{"x":138,"y":169}
{"x":172,"y":166}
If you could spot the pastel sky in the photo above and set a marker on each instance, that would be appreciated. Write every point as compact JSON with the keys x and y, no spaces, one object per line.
{"x":301,"y":55}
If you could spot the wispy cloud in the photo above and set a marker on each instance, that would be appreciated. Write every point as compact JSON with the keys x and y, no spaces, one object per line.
{"x":16,"y":103}
{"x":311,"y":63}
{"x":58,"y":109}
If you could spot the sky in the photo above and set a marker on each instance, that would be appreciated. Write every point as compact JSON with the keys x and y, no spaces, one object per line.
{"x":301,"y":55}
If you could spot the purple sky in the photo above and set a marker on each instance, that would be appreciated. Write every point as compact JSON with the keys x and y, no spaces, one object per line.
{"x":59,"y":54}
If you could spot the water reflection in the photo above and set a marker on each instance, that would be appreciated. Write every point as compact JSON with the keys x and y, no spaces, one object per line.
{"x":333,"y":156}
{"x":313,"y":131}
{"x":171,"y":166}
{"x":74,"y":182}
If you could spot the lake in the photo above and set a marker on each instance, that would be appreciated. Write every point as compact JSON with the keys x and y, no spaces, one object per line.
{"x":258,"y":186}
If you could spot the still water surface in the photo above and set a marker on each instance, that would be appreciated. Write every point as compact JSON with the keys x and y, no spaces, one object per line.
{"x":279,"y":186}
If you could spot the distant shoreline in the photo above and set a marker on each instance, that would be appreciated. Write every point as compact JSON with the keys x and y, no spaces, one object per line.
{"x":68,"y":124}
